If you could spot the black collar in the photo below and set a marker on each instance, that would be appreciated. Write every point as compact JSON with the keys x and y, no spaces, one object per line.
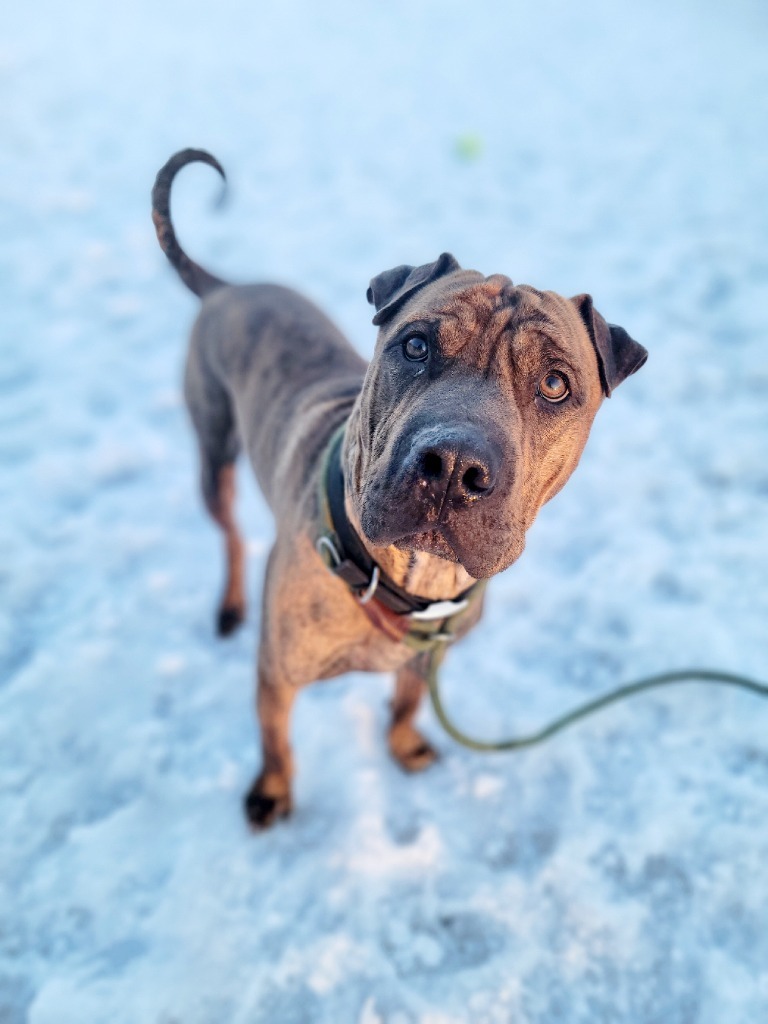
{"x":344,"y":553}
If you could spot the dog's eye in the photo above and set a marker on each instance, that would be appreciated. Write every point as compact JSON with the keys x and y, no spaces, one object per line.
{"x":416,"y":348}
{"x":554,"y":387}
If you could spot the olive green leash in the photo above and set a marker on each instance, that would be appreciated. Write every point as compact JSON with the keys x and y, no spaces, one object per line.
{"x":430,"y":630}
{"x":583,"y":710}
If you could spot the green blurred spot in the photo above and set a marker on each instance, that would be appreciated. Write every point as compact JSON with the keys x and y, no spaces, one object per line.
{"x":468,"y":147}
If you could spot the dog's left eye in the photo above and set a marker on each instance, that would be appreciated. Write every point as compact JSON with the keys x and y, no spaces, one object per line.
{"x":416,"y":348}
{"x":553,"y":387}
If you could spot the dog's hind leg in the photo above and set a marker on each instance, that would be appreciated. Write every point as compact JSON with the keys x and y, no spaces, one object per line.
{"x":231,"y":610}
{"x":212,"y":415}
{"x":409,"y":748}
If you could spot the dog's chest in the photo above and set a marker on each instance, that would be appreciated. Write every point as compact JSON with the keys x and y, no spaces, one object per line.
{"x":349,"y":642}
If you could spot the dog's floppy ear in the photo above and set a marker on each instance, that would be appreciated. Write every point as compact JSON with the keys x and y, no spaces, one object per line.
{"x":618,"y":355}
{"x":388,"y":291}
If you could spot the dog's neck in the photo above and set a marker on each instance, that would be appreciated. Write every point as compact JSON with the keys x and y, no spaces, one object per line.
{"x":417,"y":572}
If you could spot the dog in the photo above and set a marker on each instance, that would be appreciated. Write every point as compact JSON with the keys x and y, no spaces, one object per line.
{"x":398,"y":486}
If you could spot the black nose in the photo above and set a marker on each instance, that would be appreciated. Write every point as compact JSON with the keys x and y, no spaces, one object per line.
{"x":457,"y":468}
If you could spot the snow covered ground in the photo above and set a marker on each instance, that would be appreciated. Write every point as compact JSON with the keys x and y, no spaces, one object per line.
{"x":618,"y":874}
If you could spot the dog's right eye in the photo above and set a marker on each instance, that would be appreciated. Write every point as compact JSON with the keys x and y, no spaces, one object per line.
{"x":553,"y":387}
{"x":416,"y":348}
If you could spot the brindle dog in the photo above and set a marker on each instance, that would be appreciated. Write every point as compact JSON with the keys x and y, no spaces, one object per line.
{"x":472,"y":413}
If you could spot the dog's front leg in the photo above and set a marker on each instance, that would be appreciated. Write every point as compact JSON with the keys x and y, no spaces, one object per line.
{"x":409,"y":748}
{"x":269,"y":798}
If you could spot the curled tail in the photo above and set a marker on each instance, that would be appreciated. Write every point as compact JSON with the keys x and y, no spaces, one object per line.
{"x":194,"y":277}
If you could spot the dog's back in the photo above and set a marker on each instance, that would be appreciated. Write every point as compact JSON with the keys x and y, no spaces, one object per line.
{"x":268,"y":367}
{"x":267,"y":370}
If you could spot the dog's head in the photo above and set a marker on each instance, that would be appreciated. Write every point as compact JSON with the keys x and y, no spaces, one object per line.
{"x":475,"y":409}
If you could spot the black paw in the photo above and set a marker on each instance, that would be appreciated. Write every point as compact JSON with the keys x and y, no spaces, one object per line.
{"x":228,"y":619}
{"x":262,"y":810}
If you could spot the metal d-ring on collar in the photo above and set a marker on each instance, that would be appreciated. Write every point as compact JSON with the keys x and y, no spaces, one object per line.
{"x":325,"y":544}
{"x":372,"y":586}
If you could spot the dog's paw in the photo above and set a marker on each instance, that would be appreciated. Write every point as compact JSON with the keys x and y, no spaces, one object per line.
{"x":262,"y":809}
{"x":229,"y":617}
{"x":409,"y":748}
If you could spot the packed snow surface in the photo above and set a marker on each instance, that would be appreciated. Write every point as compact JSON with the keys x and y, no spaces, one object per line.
{"x":616,"y":874}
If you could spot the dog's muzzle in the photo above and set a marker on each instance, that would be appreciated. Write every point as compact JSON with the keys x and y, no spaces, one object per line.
{"x":451,"y":467}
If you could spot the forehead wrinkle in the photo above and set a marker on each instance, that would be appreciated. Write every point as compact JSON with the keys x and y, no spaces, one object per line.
{"x":481,"y":315}
{"x":458,"y":326}
{"x":478,"y":315}
{"x":539,"y":332}
{"x":531,"y":322}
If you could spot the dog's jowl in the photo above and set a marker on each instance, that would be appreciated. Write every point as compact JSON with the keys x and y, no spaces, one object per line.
{"x":397,"y":486}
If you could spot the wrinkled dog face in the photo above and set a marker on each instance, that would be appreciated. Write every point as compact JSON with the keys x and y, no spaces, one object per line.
{"x":475,"y":409}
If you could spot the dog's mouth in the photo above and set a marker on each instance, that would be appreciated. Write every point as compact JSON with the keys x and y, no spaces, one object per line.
{"x":432,"y":542}
{"x":480,"y":560}
{"x":460,"y":536}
